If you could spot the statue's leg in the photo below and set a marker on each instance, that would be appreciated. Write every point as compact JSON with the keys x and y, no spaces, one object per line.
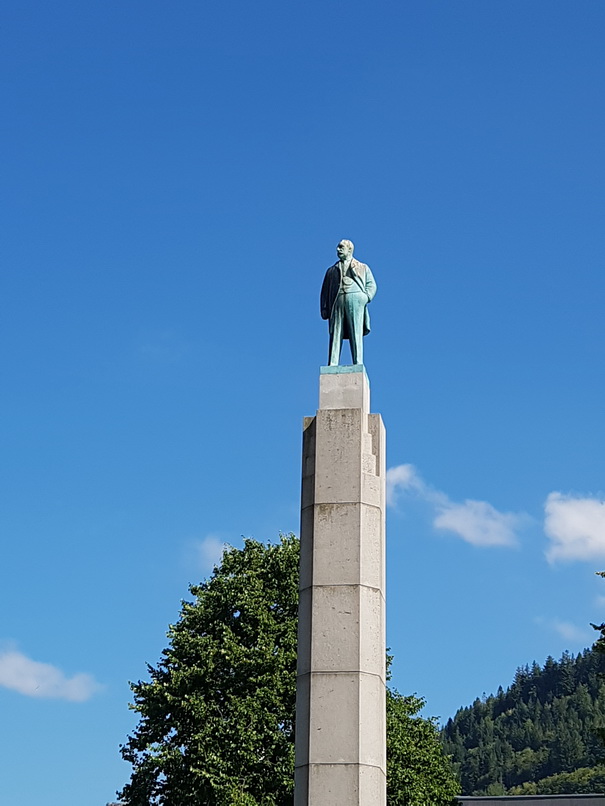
{"x":336,"y":322}
{"x":355,"y":314}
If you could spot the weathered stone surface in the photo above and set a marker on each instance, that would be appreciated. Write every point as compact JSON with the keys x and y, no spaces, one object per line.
{"x":344,"y":388}
{"x":340,"y":556}
{"x":325,"y":783}
{"x":340,"y":710}
{"x":338,"y":615}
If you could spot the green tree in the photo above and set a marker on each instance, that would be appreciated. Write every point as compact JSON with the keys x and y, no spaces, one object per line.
{"x":599,"y":646}
{"x":586,"y":780}
{"x":216,"y":719}
{"x":419,"y":774}
{"x":543,"y":725}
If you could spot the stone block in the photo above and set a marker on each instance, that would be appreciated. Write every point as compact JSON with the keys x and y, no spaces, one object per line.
{"x":305,"y":630}
{"x":347,"y":545}
{"x":344,"y":389}
{"x":334,"y":716}
{"x":339,"y":785}
{"x":368,"y":463}
{"x":372,"y":556}
{"x":372,"y":721}
{"x":333,"y":551}
{"x":303,"y":720}
{"x":308,"y":463}
{"x":307,"y":546}
{"x":348,"y":630}
{"x":301,"y":785}
{"x":335,"y":640}
{"x":338,"y":455}
{"x":371,"y":490}
{"x":334,"y":784}
{"x":347,"y":719}
{"x":336,"y":544}
{"x":372,"y":786}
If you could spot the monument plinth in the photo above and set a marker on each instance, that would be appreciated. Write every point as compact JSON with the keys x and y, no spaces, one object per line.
{"x":340,"y":700}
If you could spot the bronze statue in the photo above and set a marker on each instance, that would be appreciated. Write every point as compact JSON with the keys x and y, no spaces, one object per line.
{"x":347,"y":289}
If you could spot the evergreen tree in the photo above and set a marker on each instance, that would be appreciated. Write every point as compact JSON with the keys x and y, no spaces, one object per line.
{"x":545,"y":724}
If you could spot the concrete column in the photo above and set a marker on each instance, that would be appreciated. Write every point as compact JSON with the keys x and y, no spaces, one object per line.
{"x":340,"y":696}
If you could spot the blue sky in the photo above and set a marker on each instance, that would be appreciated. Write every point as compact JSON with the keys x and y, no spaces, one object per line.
{"x":175,"y":179}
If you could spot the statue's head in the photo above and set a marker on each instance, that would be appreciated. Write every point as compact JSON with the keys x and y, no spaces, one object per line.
{"x":345,"y":249}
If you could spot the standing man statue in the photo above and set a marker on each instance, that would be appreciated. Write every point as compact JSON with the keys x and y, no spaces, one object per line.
{"x":347,"y":288}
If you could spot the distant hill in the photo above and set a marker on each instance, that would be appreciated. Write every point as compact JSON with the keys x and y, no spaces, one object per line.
{"x":540,"y":736}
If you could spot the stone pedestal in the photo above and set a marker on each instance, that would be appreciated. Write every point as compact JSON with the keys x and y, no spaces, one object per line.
{"x":340,"y":697}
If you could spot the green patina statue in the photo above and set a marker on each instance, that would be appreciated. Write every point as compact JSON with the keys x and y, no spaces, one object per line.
{"x":347,"y":289}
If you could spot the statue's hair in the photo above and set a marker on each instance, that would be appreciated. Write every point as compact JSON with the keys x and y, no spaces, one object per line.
{"x":348,"y":243}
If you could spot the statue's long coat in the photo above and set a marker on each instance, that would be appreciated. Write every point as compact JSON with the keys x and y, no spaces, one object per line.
{"x":331,"y":287}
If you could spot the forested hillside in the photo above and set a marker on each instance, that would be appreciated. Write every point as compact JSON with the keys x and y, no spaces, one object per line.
{"x":543,"y":727}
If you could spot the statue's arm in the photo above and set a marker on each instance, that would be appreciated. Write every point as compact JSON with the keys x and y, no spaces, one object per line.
{"x":370,"y":284}
{"x":324,"y":300}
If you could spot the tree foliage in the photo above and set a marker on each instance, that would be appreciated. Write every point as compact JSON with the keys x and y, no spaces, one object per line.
{"x":599,"y":644}
{"x":418,"y":772}
{"x":216,"y":719}
{"x":585,"y":780}
{"x":546,"y":725}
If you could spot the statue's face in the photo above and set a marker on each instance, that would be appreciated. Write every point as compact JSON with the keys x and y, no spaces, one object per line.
{"x":344,"y":251}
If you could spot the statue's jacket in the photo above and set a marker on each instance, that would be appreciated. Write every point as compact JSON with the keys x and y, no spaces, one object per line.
{"x":331,"y":287}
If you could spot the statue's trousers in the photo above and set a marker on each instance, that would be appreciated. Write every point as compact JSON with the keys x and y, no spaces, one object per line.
{"x":347,"y":317}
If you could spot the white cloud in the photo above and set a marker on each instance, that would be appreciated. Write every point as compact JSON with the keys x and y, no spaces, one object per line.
{"x":567,"y":630}
{"x":476,"y":522}
{"x":405,"y":478}
{"x":576,"y":528}
{"x":399,"y":478}
{"x":209,"y":552}
{"x":571,"y":632}
{"x":35,"y":679}
{"x":600,"y":601}
{"x":479,"y":523}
